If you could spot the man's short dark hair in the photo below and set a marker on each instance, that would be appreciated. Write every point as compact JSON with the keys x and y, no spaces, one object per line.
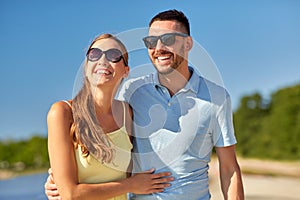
{"x":172,"y":15}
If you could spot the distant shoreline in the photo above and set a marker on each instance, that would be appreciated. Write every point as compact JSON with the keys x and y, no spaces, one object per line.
{"x":252,"y":166}
{"x":6,"y":174}
{"x":9,"y":174}
{"x":248,"y":166}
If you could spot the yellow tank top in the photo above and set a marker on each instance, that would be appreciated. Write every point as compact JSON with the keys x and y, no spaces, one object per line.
{"x":91,"y":170}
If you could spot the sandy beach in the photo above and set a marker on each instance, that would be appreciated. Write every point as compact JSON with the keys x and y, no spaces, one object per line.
{"x":263,"y":180}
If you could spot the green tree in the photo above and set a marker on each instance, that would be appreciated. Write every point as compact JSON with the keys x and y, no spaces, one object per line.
{"x":282,"y":125}
{"x":25,"y":154}
{"x":248,"y":123}
{"x":269,"y":130}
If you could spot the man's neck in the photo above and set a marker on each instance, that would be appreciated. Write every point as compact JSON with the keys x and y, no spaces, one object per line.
{"x":175,"y":80}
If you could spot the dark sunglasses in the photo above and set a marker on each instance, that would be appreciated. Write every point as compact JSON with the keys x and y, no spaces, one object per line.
{"x":112,"y":55}
{"x":167,"y":39}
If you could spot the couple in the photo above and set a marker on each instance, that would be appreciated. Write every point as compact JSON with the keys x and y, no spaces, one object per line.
{"x":178,"y":117}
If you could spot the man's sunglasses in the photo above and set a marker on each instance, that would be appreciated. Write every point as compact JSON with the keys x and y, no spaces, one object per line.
{"x":167,"y":39}
{"x":112,"y":55}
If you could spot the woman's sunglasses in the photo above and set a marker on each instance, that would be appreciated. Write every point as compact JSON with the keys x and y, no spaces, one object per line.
{"x":112,"y":55}
{"x":167,"y":39}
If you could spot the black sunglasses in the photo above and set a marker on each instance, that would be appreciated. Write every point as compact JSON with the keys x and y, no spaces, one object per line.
{"x":167,"y":39}
{"x":112,"y":55}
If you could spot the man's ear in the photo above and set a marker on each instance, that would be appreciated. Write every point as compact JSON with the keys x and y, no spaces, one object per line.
{"x":189,"y":43}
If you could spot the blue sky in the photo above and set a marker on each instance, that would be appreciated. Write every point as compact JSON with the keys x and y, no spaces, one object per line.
{"x":254,"y":43}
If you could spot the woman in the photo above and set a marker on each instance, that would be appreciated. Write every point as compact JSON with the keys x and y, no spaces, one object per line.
{"x":88,"y":139}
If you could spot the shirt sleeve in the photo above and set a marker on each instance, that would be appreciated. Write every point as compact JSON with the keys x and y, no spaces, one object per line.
{"x":223,"y":134}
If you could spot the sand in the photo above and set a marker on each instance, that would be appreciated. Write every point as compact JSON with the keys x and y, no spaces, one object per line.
{"x":281,"y":183}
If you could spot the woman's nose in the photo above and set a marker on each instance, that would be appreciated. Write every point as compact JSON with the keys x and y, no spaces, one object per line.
{"x":103,"y":61}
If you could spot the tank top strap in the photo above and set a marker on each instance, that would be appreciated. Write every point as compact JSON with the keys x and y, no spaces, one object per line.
{"x":124,"y":114}
{"x":67,"y":103}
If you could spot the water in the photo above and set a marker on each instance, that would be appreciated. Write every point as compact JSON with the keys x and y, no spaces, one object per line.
{"x":29,"y":187}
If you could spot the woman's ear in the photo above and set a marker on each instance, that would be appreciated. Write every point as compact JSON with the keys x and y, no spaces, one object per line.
{"x":127,"y":69}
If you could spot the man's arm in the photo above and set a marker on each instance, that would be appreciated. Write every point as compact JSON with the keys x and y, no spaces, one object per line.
{"x":230,"y":174}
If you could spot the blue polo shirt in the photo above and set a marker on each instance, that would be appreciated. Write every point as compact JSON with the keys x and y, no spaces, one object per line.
{"x":177,"y":133}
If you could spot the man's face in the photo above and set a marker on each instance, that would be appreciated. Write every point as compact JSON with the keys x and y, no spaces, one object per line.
{"x":167,"y":58}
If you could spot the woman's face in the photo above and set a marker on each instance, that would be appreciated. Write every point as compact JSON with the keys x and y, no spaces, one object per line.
{"x":108,"y":70}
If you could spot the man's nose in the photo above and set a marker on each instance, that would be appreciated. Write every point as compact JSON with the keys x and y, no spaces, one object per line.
{"x":160,"y":45}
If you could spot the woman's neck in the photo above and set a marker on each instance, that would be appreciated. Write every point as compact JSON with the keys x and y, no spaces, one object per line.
{"x":103,"y":100}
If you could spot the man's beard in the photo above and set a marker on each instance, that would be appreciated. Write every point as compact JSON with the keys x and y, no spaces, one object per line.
{"x":174,"y":65}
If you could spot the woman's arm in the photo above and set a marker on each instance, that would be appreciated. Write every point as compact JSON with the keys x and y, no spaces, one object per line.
{"x":61,"y":149}
{"x":63,"y":164}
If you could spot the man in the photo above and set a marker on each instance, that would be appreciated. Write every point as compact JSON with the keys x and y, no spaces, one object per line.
{"x":179,"y":117}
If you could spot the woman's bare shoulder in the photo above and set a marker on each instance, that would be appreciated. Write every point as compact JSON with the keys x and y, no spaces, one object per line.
{"x":60,"y":109}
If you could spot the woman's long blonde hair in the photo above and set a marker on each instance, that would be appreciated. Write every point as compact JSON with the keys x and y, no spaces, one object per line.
{"x":86,"y":130}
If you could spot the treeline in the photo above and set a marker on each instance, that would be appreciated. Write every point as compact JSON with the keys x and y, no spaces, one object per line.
{"x":269,"y":129}
{"x":264,"y":129}
{"x":27,"y":154}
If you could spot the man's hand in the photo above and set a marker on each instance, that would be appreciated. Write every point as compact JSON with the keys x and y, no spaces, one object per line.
{"x":50,"y":188}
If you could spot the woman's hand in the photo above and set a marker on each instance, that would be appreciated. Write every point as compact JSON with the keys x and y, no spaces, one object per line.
{"x":147,"y":182}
